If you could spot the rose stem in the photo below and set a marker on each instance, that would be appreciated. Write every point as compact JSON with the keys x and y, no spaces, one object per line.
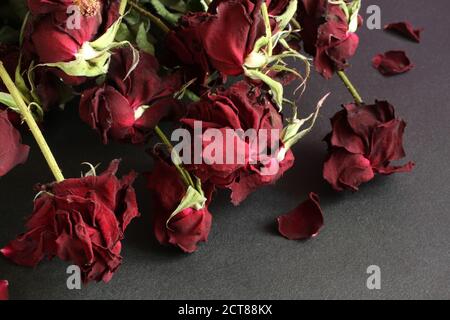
{"x":350,"y":87}
{"x":157,"y":21}
{"x":265,"y":15}
{"x":29,"y":119}
{"x":184,"y":174}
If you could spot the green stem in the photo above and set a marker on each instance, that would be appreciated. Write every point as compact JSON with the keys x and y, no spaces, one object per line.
{"x":29,"y":119}
{"x":265,"y":15}
{"x":185,"y":176}
{"x":157,"y":21}
{"x":350,"y":87}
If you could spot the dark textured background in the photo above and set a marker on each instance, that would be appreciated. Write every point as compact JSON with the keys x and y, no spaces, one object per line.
{"x":400,"y":223}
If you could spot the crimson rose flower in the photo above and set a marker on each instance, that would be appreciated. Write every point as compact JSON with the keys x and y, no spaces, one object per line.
{"x":80,"y":220}
{"x":4,"y":290}
{"x":127,"y":108}
{"x":326,"y":35}
{"x":200,"y":39}
{"x":188,"y":227}
{"x":52,"y":39}
{"x":364,"y":141}
{"x":12,"y":151}
{"x":241,"y":107}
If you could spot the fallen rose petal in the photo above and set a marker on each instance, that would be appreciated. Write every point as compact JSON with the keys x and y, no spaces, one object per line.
{"x":405,"y":29}
{"x":12,"y":151}
{"x":4,"y":290}
{"x":303,"y":222}
{"x":392,"y":63}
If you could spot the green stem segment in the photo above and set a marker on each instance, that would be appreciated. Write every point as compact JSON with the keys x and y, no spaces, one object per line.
{"x":157,"y":21}
{"x":265,"y":15}
{"x":350,"y":87}
{"x":29,"y":119}
{"x":185,"y":176}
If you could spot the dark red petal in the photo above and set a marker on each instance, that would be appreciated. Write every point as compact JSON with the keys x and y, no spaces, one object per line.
{"x":4,"y":290}
{"x":303,"y":222}
{"x":405,"y":29}
{"x":392,"y":63}
{"x":343,"y":135}
{"x":12,"y":151}
{"x":344,"y":170}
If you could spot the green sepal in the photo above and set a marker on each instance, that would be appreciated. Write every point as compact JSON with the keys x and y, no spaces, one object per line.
{"x":291,"y":134}
{"x":194,"y":198}
{"x":7,"y":100}
{"x":276,"y":89}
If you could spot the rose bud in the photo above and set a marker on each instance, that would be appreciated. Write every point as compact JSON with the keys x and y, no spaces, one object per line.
{"x":174,"y":223}
{"x":328,"y":34}
{"x":364,"y":140}
{"x":4,"y":290}
{"x":242,"y":107}
{"x":127,"y":108}
{"x":79,"y":220}
{"x":12,"y":151}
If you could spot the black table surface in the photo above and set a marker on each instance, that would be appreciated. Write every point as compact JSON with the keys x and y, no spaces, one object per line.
{"x":399,"y":223}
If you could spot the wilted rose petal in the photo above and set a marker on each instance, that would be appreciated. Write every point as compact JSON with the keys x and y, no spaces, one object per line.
{"x":4,"y":290}
{"x":12,"y":151}
{"x":392,"y":63}
{"x":303,"y":222}
{"x":405,"y":29}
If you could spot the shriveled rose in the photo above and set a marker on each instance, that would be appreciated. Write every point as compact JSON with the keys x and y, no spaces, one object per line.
{"x":4,"y":290}
{"x":50,"y":36}
{"x":200,"y":39}
{"x":126,"y":108}
{"x":365,"y":139}
{"x":240,"y":108}
{"x":188,"y":227}
{"x":326,"y":35}
{"x":79,"y":220}
{"x":12,"y":151}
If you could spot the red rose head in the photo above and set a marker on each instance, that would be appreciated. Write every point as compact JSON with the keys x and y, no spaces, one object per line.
{"x":365,"y":139}
{"x":126,"y":108}
{"x":200,"y":39}
{"x":79,"y":220}
{"x":12,"y":151}
{"x":326,"y":35}
{"x":4,"y":290}
{"x":241,"y":108}
{"x":188,"y":227}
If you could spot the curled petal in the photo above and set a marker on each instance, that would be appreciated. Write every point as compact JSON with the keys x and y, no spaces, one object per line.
{"x":344,"y":170}
{"x":303,"y":222}
{"x":404,"y":29}
{"x":392,"y":63}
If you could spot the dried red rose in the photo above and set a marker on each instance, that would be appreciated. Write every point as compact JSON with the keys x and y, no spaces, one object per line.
{"x":127,"y":108}
{"x":187,"y":228}
{"x":200,"y":41}
{"x":303,"y":222}
{"x":241,"y":107}
{"x":392,"y":63}
{"x":405,"y":29}
{"x":4,"y":290}
{"x":80,"y":220}
{"x":364,"y":140}
{"x":12,"y":151}
{"x":64,"y":42}
{"x":326,"y":35}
